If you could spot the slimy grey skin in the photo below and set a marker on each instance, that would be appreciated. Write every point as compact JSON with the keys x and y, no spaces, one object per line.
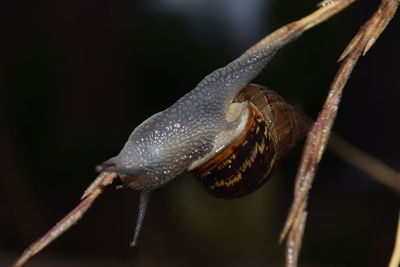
{"x":193,"y":129}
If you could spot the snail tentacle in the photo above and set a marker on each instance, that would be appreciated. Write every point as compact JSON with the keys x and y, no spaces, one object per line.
{"x":144,"y":200}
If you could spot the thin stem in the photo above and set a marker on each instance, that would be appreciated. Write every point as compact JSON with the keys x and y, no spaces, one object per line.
{"x":319,"y":134}
{"x":395,"y":260}
{"x":293,"y":244}
{"x":372,"y":166}
{"x":327,"y":9}
{"x":65,"y":223}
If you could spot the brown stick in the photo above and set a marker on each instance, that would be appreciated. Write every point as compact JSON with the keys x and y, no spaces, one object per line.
{"x":395,"y":259}
{"x":95,"y":184}
{"x":293,"y":244}
{"x":372,"y":166}
{"x":319,"y":134}
{"x":68,"y":221}
{"x":328,"y":8}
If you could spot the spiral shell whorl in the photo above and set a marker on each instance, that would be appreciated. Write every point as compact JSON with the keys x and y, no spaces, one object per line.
{"x":272,"y":130}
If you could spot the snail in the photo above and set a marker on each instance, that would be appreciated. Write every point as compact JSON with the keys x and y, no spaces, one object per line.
{"x":227,"y":132}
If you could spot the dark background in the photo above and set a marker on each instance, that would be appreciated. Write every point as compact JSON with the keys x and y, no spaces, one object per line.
{"x":78,"y":76}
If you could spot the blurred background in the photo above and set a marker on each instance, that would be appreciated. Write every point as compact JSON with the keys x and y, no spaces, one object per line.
{"x":78,"y":76}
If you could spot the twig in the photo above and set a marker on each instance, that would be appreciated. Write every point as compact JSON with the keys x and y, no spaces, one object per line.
{"x":68,"y":221}
{"x":395,"y":260}
{"x":319,"y":134}
{"x":365,"y":162}
{"x":293,"y":244}
{"x":95,"y":184}
{"x":327,"y":9}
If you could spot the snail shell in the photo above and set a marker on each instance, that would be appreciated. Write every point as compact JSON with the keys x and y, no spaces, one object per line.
{"x":272,"y":129}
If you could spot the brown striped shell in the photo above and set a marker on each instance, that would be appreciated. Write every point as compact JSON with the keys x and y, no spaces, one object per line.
{"x":272,"y":129}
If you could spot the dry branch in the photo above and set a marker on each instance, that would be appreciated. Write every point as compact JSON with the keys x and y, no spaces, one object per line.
{"x":69,"y":220}
{"x":319,"y":134}
{"x":365,"y":162}
{"x":395,"y":260}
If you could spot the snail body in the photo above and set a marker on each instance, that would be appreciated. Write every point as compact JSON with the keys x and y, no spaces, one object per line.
{"x":222,"y":113}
